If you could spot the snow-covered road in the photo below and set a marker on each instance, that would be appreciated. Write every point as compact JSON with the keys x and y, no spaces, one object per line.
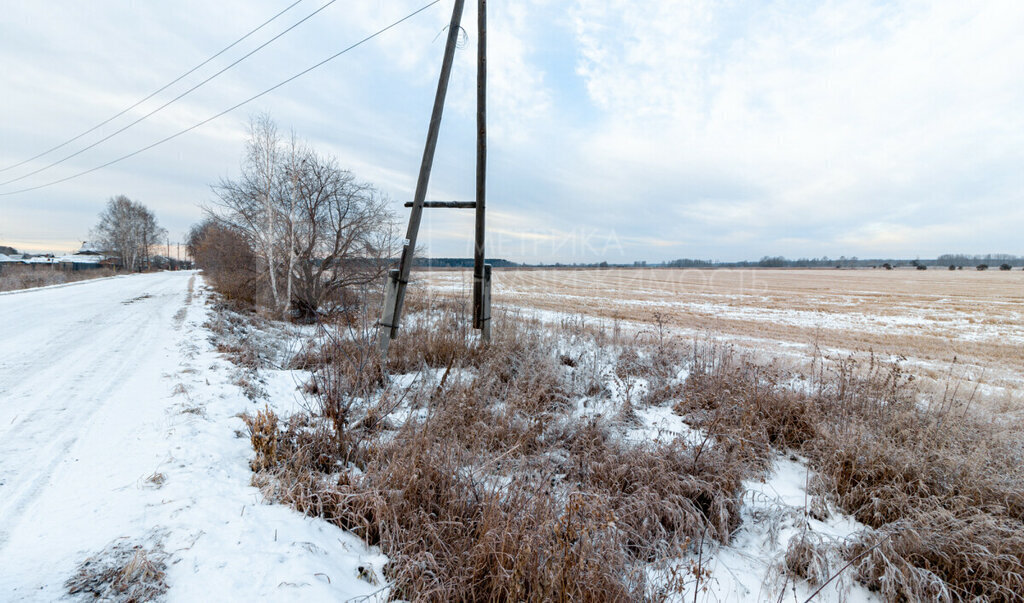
{"x":118,"y":422}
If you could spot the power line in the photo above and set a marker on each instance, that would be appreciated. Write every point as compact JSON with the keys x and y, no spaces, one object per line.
{"x":170,"y":102}
{"x":165,"y":87}
{"x":230,"y":109}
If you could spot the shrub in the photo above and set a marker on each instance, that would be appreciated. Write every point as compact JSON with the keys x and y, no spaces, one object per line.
{"x":263,"y":435}
{"x":1005,"y":267}
{"x":228,"y":261}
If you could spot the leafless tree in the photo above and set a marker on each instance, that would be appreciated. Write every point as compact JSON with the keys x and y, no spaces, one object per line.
{"x":314,"y":227}
{"x":342,"y":233}
{"x":252,"y":204}
{"x":127,"y":230}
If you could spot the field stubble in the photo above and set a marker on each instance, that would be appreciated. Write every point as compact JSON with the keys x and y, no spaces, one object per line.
{"x":960,"y":325}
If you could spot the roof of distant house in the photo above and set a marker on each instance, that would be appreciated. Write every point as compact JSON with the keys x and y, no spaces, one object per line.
{"x":90,"y":248}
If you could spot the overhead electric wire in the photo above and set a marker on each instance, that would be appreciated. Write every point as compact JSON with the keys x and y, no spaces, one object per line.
{"x":170,"y":102}
{"x":230,"y":109}
{"x":165,"y":87}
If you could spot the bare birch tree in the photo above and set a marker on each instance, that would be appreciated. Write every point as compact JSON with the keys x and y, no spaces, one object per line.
{"x":296,"y":158}
{"x":127,"y":230}
{"x":316,"y":229}
{"x":252,"y":204}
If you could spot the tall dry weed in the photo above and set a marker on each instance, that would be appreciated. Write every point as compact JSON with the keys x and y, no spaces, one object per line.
{"x":942,"y":487}
{"x":492,"y":477}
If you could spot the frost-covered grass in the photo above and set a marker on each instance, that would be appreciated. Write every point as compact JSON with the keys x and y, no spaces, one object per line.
{"x":939,"y":487}
{"x":122,"y":572}
{"x":571,"y":461}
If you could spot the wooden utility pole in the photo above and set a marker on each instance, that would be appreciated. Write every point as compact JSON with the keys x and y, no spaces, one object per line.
{"x":481,"y":314}
{"x":399,"y":279}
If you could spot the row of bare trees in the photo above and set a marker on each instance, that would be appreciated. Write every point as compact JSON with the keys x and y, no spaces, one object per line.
{"x":309,"y":228}
{"x":127,"y":230}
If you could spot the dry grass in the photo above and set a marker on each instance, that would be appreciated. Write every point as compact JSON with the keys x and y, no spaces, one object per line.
{"x":14,"y":276}
{"x":494,"y":477}
{"x":943,"y":488}
{"x":492,"y":487}
{"x":122,"y":572}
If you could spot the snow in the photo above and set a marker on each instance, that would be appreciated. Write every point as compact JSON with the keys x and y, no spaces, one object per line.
{"x":775,"y":512}
{"x":660,"y":424}
{"x":119,"y":421}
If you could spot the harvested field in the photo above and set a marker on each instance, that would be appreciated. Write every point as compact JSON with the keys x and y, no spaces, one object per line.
{"x":950,"y":325}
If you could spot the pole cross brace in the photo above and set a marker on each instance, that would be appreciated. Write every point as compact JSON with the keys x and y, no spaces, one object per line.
{"x":448,"y":204}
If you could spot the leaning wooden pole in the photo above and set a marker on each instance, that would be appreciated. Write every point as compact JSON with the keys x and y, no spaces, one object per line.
{"x":398,"y":280}
{"x":479,"y":313}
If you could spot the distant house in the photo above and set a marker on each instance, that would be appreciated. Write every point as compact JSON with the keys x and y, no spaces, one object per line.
{"x":90,"y":256}
{"x":63,"y":262}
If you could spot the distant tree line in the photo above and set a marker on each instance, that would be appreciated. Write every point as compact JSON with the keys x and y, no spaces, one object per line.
{"x":422,"y":262}
{"x":688,"y":263}
{"x":1002,"y":260}
{"x":991,"y":259}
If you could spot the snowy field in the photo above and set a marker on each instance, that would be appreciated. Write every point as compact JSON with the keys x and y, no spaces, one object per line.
{"x":118,"y":429}
{"x":950,"y":325}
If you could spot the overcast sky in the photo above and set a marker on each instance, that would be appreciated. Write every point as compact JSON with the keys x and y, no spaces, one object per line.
{"x":619,"y":130}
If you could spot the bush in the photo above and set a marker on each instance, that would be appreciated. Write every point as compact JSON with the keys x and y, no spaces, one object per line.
{"x":1005,"y":267}
{"x":228,"y":261}
{"x":982,"y":267}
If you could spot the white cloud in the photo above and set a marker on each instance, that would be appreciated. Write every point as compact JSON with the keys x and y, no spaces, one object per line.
{"x":831,"y":114}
